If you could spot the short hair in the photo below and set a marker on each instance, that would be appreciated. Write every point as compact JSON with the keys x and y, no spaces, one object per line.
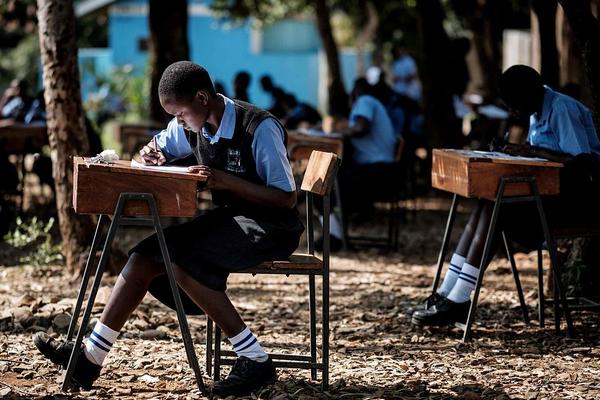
{"x":183,"y":79}
{"x":521,"y":87}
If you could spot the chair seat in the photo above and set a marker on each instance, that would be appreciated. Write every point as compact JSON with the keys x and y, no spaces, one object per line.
{"x":296,"y":264}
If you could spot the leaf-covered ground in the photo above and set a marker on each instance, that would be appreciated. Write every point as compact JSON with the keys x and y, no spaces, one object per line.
{"x":375,"y":351}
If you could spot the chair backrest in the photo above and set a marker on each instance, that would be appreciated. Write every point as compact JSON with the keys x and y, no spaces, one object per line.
{"x":320,"y":173}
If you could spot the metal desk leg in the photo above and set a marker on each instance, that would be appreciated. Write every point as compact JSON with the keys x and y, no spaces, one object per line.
{"x":91,"y":260}
{"x":560,"y":292}
{"x":445,"y":241}
{"x":513,"y":267}
{"x":487,"y":249}
{"x":90,"y":303}
{"x":541,"y":299}
{"x":183,"y":325}
{"x":209,"y":344}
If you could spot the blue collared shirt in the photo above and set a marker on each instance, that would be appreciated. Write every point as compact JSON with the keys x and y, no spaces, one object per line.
{"x":268,"y":150}
{"x":564,"y":125}
{"x":379,"y":145}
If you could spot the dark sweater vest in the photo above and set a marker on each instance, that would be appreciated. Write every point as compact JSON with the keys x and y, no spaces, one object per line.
{"x":234,"y":156}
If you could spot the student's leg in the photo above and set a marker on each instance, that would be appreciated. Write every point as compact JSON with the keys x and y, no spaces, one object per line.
{"x":461,"y":292}
{"x":132,"y":284}
{"x":462,"y":249}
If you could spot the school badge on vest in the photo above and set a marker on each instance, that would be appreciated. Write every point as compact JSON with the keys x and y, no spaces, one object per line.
{"x":234,"y":161}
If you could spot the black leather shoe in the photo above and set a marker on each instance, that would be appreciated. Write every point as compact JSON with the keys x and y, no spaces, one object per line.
{"x":86,"y":372}
{"x":246,"y":376}
{"x":445,"y":312}
{"x":430,"y":301}
{"x":335,"y":244}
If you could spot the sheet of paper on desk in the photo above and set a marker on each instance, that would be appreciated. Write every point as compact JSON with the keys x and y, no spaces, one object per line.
{"x":162,"y":168}
{"x":504,"y":156}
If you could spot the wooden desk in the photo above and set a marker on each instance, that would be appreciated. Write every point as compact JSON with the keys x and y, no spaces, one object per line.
{"x":502,"y":179}
{"x":477,"y":174}
{"x":300,"y":145}
{"x":96,"y":189}
{"x":18,"y":138}
{"x":117,"y":191}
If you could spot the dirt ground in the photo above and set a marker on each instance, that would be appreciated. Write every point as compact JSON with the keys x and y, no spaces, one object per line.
{"x":375,"y":351}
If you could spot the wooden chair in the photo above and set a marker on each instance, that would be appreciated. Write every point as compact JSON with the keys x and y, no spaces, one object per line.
{"x":318,"y":180}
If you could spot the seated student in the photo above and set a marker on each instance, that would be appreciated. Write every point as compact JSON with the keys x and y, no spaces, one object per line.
{"x":277,"y":95}
{"x":241,"y":83}
{"x":561,"y":129}
{"x":368,"y":158}
{"x":240,"y":150}
{"x":14,"y":101}
{"x":298,"y":113}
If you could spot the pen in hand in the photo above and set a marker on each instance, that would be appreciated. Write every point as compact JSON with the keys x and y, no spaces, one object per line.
{"x":151,"y":154}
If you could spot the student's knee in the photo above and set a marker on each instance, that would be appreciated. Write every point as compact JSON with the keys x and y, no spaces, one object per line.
{"x":141,"y":270}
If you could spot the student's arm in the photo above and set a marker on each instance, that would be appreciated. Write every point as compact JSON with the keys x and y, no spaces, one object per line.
{"x":359,"y":128}
{"x":264,"y":195}
{"x":168,"y":145}
{"x":527,"y":150}
{"x":363,"y":112}
{"x":272,"y":166}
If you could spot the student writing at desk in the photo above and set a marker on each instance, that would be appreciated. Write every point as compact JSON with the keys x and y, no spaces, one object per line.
{"x":369,"y":159}
{"x":561,"y":129}
{"x":240,"y":149}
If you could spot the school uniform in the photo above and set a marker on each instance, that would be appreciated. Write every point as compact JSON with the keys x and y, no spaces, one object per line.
{"x":564,"y":125}
{"x":237,"y":234}
{"x":369,"y":163}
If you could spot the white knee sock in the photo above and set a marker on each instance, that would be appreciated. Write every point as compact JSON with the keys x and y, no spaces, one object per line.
{"x":456,"y":263}
{"x":465,"y":284}
{"x":245,"y":344}
{"x":99,"y":343}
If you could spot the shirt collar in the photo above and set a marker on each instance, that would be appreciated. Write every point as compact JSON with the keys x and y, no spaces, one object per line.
{"x":227,"y":125}
{"x":546,"y":105}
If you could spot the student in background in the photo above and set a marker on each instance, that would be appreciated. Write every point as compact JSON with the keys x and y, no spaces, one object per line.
{"x":299,"y":113}
{"x":560,"y":129}
{"x":241,"y":83}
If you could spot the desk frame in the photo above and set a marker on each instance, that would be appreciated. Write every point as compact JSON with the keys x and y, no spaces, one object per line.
{"x":117,"y":220}
{"x":500,"y":199}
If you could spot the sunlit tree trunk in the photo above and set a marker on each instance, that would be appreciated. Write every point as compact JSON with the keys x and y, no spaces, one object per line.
{"x":66,"y":125}
{"x":545,"y":11}
{"x":168,"y":22}
{"x":338,"y":98}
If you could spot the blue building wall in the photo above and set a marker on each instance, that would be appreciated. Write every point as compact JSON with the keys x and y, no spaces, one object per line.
{"x":288,"y":51}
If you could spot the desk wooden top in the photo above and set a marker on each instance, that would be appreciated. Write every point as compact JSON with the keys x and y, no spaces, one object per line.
{"x":124,"y":167}
{"x":477,"y":174}
{"x":300,"y":145}
{"x":493,"y":157}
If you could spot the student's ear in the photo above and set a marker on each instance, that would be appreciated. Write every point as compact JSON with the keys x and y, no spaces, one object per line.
{"x":202,"y":96}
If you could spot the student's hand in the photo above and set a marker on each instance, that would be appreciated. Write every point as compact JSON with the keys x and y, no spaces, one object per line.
{"x":215,"y":179}
{"x":497,"y":144}
{"x":152,"y":155}
{"x":522,"y":150}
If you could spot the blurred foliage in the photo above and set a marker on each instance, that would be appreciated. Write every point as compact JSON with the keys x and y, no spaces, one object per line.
{"x":17,"y":20}
{"x":35,"y":238}
{"x":92,"y":30}
{"x":22,"y":62}
{"x":121,"y":94}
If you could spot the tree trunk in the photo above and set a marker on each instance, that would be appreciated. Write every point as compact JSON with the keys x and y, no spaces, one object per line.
{"x":441,"y":124}
{"x":66,"y":124}
{"x":366,"y":35}
{"x":586,"y":31}
{"x":338,"y":98}
{"x":168,"y":43}
{"x":545,"y":10}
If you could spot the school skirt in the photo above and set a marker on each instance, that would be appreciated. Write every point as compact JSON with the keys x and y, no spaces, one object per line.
{"x":218,"y":242}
